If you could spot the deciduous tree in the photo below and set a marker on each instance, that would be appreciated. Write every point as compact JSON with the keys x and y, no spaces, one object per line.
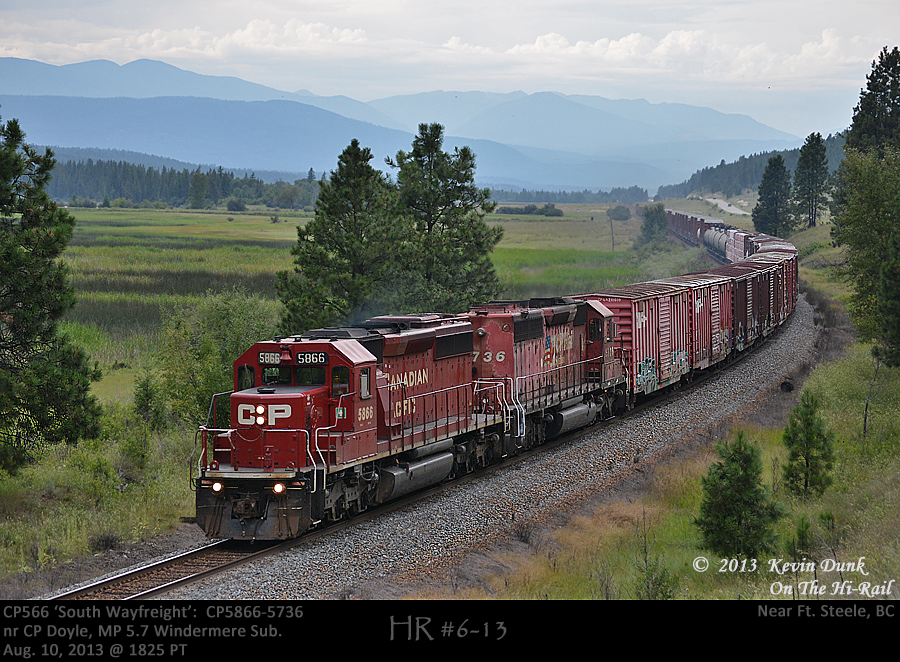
{"x":199,"y":344}
{"x":44,"y":379}
{"x":867,"y":215}
{"x":654,"y":227}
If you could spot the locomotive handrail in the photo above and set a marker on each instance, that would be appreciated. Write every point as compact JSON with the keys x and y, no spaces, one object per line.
{"x":319,"y":450}
{"x":498,"y":385}
{"x":204,"y":433}
{"x":458,"y":389}
{"x":572,"y":379}
{"x":212,"y":406}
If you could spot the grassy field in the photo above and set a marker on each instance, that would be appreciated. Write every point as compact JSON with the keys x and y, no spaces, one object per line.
{"x":130,"y":265}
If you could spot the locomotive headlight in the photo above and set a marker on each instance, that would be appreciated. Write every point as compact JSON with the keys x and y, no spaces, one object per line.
{"x":217,"y":487}
{"x":278,"y":488}
{"x":260,"y":409}
{"x":260,"y":420}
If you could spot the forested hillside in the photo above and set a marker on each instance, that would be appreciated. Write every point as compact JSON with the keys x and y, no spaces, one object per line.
{"x":745,"y":173}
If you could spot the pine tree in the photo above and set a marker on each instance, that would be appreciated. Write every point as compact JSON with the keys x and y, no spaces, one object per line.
{"x":876,"y":119}
{"x":811,"y":179}
{"x":810,"y":448}
{"x":438,"y":192}
{"x":774,"y":213}
{"x":888,"y":306}
{"x":865,"y":218}
{"x":737,"y":515}
{"x":44,"y":380}
{"x":351,"y":260}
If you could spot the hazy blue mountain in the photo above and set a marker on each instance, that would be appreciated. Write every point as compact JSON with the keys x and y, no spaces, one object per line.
{"x":273,"y":135}
{"x":281,"y":135}
{"x":672,"y":140}
{"x":144,"y":79}
{"x":540,"y":140}
{"x":451,"y":109}
{"x":683,"y":122}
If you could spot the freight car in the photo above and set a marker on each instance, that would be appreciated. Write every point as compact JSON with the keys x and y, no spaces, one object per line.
{"x":327,"y":423}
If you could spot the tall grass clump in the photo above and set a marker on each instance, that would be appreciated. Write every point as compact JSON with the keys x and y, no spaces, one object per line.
{"x":125,"y":486}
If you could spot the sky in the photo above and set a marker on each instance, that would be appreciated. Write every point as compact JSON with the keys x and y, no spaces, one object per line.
{"x":796,"y":65}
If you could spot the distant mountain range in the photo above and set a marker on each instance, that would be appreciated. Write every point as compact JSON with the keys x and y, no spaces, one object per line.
{"x":533,"y":141}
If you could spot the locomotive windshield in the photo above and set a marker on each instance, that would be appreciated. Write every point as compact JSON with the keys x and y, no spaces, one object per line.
{"x":277,"y":375}
{"x":309,"y":375}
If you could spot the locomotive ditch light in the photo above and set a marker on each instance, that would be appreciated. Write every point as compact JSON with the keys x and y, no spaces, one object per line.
{"x":278,"y":488}
{"x":217,"y":487}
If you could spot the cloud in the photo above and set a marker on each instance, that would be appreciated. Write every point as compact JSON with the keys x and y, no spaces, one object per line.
{"x":681,"y":56}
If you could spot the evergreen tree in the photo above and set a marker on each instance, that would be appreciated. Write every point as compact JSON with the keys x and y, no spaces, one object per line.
{"x":44,"y":379}
{"x":888,"y":306}
{"x":737,"y":516}
{"x":774,"y":213}
{"x":438,"y":192}
{"x":199,"y":187}
{"x":351,"y":260}
{"x":876,"y":119}
{"x":811,"y":178}
{"x":810,"y":448}
{"x":866,"y":215}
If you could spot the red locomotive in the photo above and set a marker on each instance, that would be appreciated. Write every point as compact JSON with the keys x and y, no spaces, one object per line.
{"x":330,"y":422}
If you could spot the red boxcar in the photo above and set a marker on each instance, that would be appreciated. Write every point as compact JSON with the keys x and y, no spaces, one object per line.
{"x":653,"y":324}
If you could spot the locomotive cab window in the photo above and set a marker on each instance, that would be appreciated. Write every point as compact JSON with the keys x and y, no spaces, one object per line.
{"x":276,"y":375}
{"x":340,"y":381}
{"x":246,"y":377}
{"x":309,"y":375}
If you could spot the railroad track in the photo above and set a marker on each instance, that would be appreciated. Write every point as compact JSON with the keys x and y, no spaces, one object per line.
{"x":159,"y":577}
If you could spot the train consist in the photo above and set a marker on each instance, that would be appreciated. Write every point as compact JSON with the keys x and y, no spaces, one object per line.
{"x":330,"y":422}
